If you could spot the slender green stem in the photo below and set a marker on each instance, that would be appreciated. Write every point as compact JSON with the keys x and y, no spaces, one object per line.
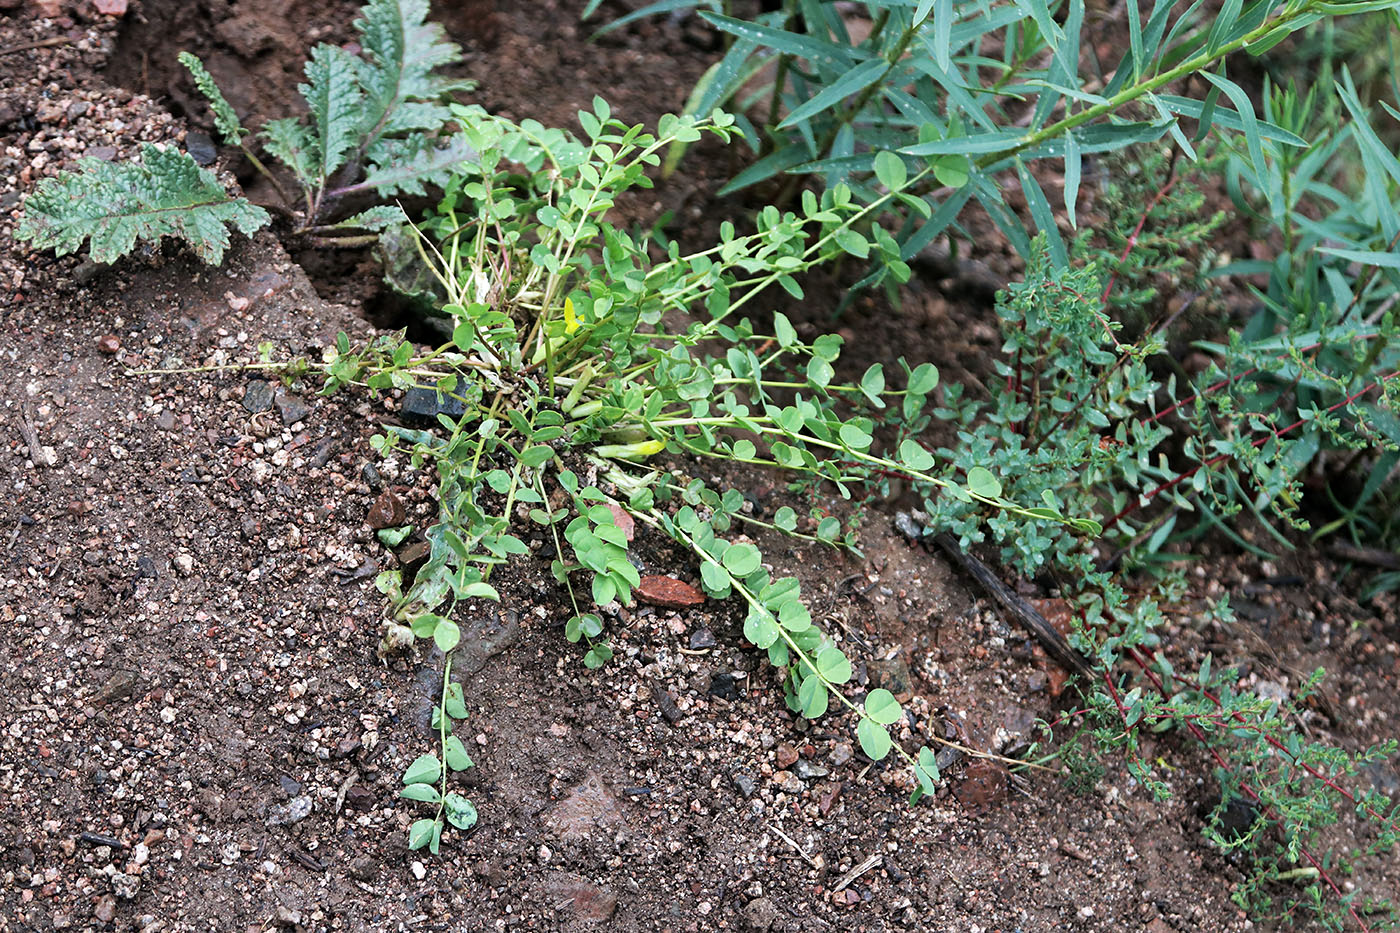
{"x":1144,"y":87}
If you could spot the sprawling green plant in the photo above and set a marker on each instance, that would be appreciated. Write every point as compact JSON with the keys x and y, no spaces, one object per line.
{"x":377,"y":127}
{"x":1099,"y":423}
{"x":985,"y":90}
{"x":575,"y":379}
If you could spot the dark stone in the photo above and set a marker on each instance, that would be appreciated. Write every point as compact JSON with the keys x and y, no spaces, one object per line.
{"x":371,"y":476}
{"x":666,"y":704}
{"x":119,"y":686}
{"x":413,"y":555}
{"x":702,"y":638}
{"x":200,"y":147}
{"x":359,"y":797}
{"x":290,"y":407}
{"x":289,"y":787}
{"x":321,"y":451}
{"x":724,"y":687}
{"x":146,"y":568}
{"x":257,"y":396}
{"x":422,"y":406}
{"x":893,"y":675}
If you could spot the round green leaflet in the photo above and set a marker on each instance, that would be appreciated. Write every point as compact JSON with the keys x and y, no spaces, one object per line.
{"x":833,"y":664}
{"x":881,"y":706}
{"x":741,"y":559}
{"x":874,"y":739}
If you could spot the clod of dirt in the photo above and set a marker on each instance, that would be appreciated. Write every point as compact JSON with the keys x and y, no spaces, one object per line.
{"x":485,"y":637}
{"x":760,"y":914}
{"x":669,"y":593}
{"x":983,"y":785}
{"x":586,"y":900}
{"x":387,"y":512}
{"x":590,"y":807}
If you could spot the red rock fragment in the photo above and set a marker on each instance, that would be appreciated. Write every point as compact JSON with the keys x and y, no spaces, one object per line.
{"x":110,"y":7}
{"x":109,"y":344}
{"x":623,"y":520}
{"x":669,"y":593}
{"x":829,"y":797}
{"x":387,"y":511}
{"x":787,"y":756}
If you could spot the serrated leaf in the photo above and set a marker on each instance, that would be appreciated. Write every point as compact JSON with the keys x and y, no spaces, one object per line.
{"x":380,"y":217}
{"x":113,"y":204}
{"x":290,"y":142}
{"x":333,"y":95}
{"x":411,"y":165}
{"x":225,"y":118}
{"x":401,"y":51}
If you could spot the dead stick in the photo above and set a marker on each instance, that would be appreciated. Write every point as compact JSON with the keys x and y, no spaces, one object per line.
{"x":1054,"y":643}
{"x":39,"y":44}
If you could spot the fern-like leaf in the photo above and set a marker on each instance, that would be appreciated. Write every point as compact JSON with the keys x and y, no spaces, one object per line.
{"x":113,"y":204}
{"x":225,"y":119}
{"x":407,"y":166}
{"x":377,"y":218}
{"x":290,"y":142}
{"x":401,"y":52}
{"x":334,"y":97}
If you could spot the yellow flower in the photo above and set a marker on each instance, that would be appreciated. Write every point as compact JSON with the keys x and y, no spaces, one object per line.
{"x":570,"y":320}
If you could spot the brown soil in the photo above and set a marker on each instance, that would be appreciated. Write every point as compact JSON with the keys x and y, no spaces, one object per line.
{"x":195,"y":732}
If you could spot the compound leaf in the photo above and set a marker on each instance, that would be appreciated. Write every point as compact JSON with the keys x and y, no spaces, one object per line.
{"x":225,"y":119}
{"x":114,"y":204}
{"x":335,"y":100}
{"x":401,"y":51}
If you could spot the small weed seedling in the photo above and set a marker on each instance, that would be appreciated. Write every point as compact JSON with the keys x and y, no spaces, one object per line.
{"x":377,"y":128}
